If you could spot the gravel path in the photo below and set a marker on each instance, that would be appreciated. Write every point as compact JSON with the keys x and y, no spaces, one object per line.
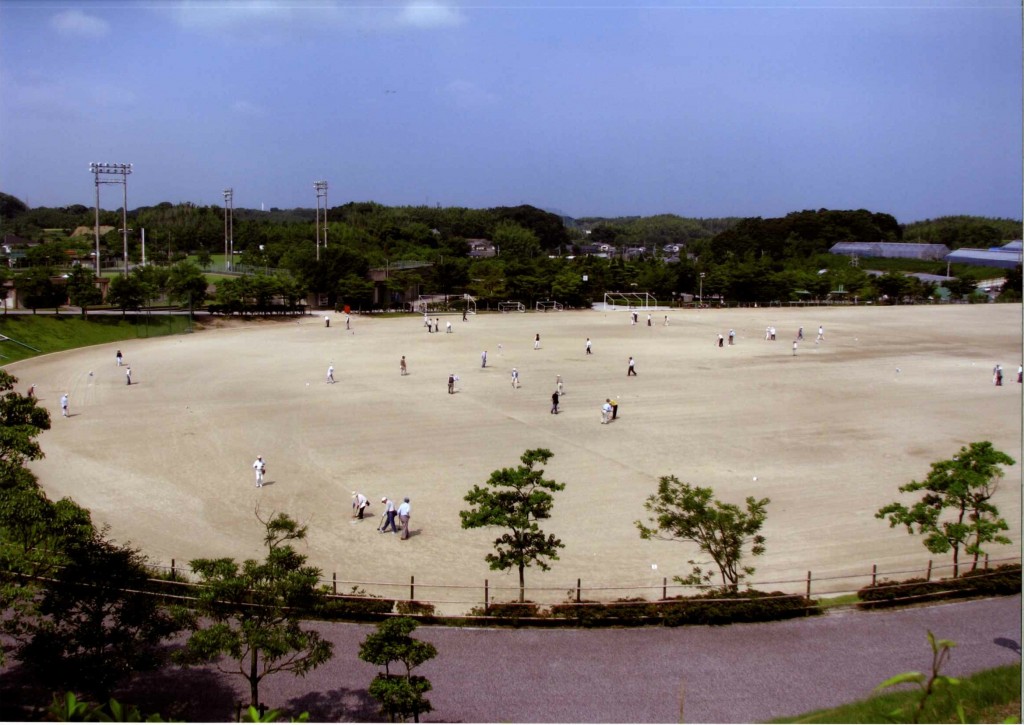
{"x":741,"y":673}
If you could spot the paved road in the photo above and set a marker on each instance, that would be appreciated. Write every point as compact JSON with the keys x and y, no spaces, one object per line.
{"x":741,"y":673}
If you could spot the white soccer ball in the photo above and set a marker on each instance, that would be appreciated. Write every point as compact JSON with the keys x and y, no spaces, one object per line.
{"x":755,"y":478}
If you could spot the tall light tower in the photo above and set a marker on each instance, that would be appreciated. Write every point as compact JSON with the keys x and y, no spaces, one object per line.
{"x":321,"y":193}
{"x":229,"y":228}
{"x":106,"y":174}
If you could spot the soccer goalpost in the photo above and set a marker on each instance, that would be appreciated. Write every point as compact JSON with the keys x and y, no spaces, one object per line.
{"x":510,"y":306}
{"x":549,"y":305}
{"x":630,"y":300}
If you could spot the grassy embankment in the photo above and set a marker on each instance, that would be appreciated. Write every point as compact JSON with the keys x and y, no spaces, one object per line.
{"x":53,"y":333}
{"x":990,"y":696}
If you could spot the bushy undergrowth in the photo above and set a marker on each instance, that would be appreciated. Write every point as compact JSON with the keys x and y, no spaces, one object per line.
{"x":1003,"y":580}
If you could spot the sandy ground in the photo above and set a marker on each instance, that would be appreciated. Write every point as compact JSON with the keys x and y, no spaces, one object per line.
{"x":829,"y":434}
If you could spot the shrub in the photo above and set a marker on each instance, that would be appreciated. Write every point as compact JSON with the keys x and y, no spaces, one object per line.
{"x":718,"y":607}
{"x":1002,"y":580}
{"x":355,"y":608}
{"x":420,"y":608}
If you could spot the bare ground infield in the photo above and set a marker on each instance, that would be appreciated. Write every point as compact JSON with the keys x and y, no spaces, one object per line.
{"x":830,"y":434}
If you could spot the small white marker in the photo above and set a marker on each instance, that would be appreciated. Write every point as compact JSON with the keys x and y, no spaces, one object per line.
{"x":755,"y":478}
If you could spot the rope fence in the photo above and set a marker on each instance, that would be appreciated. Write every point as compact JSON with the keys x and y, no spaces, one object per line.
{"x":449,"y":596}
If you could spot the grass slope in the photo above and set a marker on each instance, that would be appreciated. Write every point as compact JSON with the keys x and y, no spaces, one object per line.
{"x":988,"y":696}
{"x":53,"y":333}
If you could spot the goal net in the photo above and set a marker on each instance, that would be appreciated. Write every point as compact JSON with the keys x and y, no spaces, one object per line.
{"x":549,"y":305}
{"x":510,"y":306}
{"x":630,"y":300}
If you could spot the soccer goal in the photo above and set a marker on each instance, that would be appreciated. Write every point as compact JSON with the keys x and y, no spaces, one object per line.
{"x":510,"y":306}
{"x":630,"y":300}
{"x":549,"y":305}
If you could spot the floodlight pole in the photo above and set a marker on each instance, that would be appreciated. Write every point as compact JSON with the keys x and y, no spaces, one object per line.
{"x":122,"y":170}
{"x":321,"y":193}
{"x":701,"y":298}
{"x":229,"y":228}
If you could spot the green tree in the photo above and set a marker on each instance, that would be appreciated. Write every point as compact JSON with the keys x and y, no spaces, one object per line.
{"x":682,"y":512}
{"x":95,"y":624}
{"x":400,"y":694}
{"x":82,"y":289}
{"x":955,"y":511}
{"x":251,"y":612}
{"x":204,"y":258}
{"x":127,"y":293}
{"x":187,"y":284}
{"x":514,"y":242}
{"x":516,"y":499}
{"x":37,"y":289}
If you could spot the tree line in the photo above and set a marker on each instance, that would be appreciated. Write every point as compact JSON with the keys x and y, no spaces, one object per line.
{"x":539,"y":254}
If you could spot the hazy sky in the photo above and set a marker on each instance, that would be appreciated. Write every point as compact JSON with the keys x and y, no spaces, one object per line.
{"x":706,"y":108}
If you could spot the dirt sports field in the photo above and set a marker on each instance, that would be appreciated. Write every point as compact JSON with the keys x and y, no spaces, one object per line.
{"x":829,"y":435}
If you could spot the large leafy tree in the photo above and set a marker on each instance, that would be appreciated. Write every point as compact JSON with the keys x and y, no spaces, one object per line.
{"x":37,"y":289}
{"x":95,"y":625}
{"x":723,"y":531}
{"x":400,"y":694}
{"x":187,"y":284}
{"x":82,"y":289}
{"x":955,"y":512}
{"x":128,"y":293}
{"x":515,"y":499}
{"x":251,"y":612}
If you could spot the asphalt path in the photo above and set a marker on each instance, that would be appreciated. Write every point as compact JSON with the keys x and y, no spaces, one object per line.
{"x":739,"y":673}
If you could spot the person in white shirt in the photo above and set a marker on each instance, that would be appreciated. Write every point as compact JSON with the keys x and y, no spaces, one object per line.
{"x":606,"y":411}
{"x":360,"y":503}
{"x":64,"y":405}
{"x":330,"y":373}
{"x":403,"y":516}
{"x":389,"y":515}
{"x":260,"y":466}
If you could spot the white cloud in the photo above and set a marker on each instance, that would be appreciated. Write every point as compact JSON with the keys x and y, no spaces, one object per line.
{"x":467,"y":95}
{"x":429,"y":15}
{"x":77,"y":23}
{"x":278,"y":21}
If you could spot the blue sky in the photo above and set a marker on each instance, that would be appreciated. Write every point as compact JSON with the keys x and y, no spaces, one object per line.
{"x":593,"y":109}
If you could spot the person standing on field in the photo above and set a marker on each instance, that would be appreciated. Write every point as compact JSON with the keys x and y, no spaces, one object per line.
{"x":330,"y":374}
{"x":536,"y":342}
{"x":260,"y":467}
{"x":64,"y":405}
{"x":401,"y":366}
{"x":632,"y":367}
{"x":128,"y":375}
{"x":589,"y":351}
{"x":119,"y":358}
{"x":404,"y":511}
{"x":483,"y":359}
{"x":389,"y":514}
{"x":554,"y":402}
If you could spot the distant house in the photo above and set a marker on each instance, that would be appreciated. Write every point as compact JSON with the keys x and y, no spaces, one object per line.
{"x":890,"y":250}
{"x":481,"y":248}
{"x":1007,"y":256}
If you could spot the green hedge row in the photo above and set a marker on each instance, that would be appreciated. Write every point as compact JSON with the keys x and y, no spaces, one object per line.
{"x":1002,"y":580}
{"x":714,"y":607}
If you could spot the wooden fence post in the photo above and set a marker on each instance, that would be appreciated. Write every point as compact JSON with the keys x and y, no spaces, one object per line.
{"x":412,"y":587}
{"x":874,"y":574}
{"x":334,"y":582}
{"x":174,"y":574}
{"x":928,"y":573}
{"x":808,"y":585}
{"x":486,"y":593}
{"x":578,"y":591}
{"x":664,"y":587}
{"x":986,"y":562}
